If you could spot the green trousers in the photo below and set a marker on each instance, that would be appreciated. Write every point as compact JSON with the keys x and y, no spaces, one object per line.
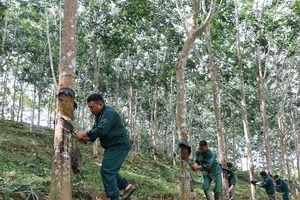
{"x":285,"y":195}
{"x":208,"y":178}
{"x":112,"y":161}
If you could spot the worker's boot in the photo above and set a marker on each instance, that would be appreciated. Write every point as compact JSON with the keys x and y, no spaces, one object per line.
{"x":218,"y":196}
{"x":208,"y":195}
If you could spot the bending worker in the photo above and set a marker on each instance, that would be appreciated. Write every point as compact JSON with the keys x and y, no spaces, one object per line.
{"x":108,"y":127}
{"x":211,"y":171}
{"x":231,"y":181}
{"x":268,"y":185}
{"x":280,"y":184}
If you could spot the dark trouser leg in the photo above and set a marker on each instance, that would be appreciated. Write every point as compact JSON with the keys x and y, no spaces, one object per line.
{"x":285,"y":195}
{"x":272,"y":196}
{"x":217,"y":196}
{"x":112,"y":161}
{"x":121,"y":182}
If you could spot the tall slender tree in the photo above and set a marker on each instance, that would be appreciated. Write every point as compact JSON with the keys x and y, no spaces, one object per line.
{"x":181,"y":92}
{"x":217,"y":110}
{"x":61,"y":164}
{"x":243,"y":104}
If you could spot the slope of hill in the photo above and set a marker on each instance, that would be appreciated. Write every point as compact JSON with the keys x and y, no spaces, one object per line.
{"x":25,"y":169}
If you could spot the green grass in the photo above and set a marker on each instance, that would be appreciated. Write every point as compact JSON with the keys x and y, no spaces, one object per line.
{"x":25,"y":169}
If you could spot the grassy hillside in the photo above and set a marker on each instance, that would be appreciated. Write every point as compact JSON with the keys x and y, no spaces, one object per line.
{"x":25,"y":168}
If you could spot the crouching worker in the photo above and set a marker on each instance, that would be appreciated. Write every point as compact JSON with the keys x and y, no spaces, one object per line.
{"x":231,"y":181}
{"x":108,"y":127}
{"x":282,"y":186}
{"x":211,"y":171}
{"x":268,"y":185}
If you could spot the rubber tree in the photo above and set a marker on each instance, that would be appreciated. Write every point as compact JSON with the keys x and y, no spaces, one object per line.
{"x":217,"y":109}
{"x":61,"y":163}
{"x":243,"y":104}
{"x":181,"y":92}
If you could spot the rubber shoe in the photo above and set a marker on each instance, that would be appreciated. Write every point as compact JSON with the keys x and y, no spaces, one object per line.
{"x":127,"y":193}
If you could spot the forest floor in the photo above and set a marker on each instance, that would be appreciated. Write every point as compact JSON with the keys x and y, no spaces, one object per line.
{"x":25,"y":170}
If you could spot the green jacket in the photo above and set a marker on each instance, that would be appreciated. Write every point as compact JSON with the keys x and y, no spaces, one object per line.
{"x":268,"y":185}
{"x":109,"y":128}
{"x":282,"y":185}
{"x":209,"y":162}
{"x":231,"y":178}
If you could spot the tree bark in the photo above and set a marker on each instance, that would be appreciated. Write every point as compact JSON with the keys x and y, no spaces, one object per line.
{"x":61,"y":165}
{"x":2,"y":64}
{"x":21,"y":102}
{"x":155,"y":98}
{"x":130,"y":92}
{"x":217,"y":109}
{"x":5,"y":80}
{"x":243,"y":103}
{"x":96,"y":78}
{"x":13,"y":110}
{"x":262,"y":104}
{"x":117,"y":88}
{"x":49,"y":47}
{"x":134,"y":119}
{"x":296,"y":137}
{"x":181,"y":93}
{"x":33,"y":103}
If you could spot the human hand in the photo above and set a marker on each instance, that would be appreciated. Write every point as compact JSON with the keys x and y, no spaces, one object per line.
{"x":196,"y":167}
{"x":82,"y":137}
{"x":227,"y":193}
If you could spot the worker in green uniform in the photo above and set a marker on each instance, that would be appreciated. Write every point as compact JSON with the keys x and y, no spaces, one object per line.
{"x":282,"y":186}
{"x":108,"y":127}
{"x":206,"y":162}
{"x":268,"y":185}
{"x":231,"y":181}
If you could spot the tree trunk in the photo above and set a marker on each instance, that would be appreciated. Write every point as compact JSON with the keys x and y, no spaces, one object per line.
{"x":134,"y":119}
{"x":296,"y":137}
{"x":243,"y":104}
{"x":190,"y":123}
{"x":217,"y":109}
{"x":13,"y":110}
{"x":95,"y":80}
{"x":130,"y":104}
{"x":83,"y":106}
{"x":50,"y":109}
{"x":21,"y":102}
{"x":282,"y":143}
{"x":33,"y":108}
{"x":49,"y":47}
{"x":96,"y":75}
{"x":181,"y":93}
{"x":61,"y":165}
{"x":262,"y":104}
{"x":2,"y":64}
{"x":39,"y":95}
{"x":4,"y":103}
{"x":117,"y":88}
{"x":174,"y":142}
{"x":155,"y":98}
